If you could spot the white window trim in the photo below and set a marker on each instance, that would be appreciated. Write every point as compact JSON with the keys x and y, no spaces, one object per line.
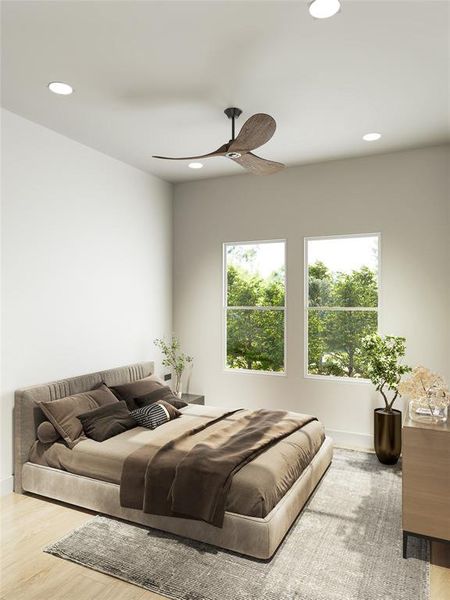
{"x":306,"y":309}
{"x":225,"y":308}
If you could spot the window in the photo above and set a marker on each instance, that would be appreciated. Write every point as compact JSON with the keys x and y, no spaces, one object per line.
{"x":341,"y":302}
{"x":255,"y":306}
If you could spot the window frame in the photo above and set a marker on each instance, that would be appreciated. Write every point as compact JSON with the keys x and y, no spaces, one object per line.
{"x":225,"y":308}
{"x":306,"y":308}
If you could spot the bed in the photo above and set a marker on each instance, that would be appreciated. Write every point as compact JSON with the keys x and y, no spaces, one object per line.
{"x":265,"y":497}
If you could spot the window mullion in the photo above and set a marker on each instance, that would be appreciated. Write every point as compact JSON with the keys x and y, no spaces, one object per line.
{"x":228,"y":307}
{"x":343,"y":308}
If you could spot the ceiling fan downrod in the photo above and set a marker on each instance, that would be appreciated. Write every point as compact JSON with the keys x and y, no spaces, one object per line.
{"x":233,"y":113}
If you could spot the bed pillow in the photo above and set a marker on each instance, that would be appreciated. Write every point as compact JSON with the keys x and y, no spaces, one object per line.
{"x":107,"y":421}
{"x":176,"y":402}
{"x":156,"y":414}
{"x":162,"y":393}
{"x":63,"y":413}
{"x":142,"y":387}
{"x":46,"y":433}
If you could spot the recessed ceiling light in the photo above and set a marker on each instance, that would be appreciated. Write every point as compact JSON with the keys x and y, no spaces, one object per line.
{"x":195,"y":165}
{"x":323,"y":9}
{"x":58,"y":87}
{"x":371,"y":137}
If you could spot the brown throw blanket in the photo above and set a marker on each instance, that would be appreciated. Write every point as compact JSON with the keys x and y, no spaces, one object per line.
{"x":190,"y":475}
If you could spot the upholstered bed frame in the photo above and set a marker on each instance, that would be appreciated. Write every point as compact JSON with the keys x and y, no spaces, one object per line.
{"x":257,"y":537}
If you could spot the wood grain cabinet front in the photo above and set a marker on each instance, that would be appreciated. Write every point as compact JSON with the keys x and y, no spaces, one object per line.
{"x":426,"y":481}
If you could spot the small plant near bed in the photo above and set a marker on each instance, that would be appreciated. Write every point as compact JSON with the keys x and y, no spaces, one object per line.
{"x":174,"y":358}
{"x":381,"y":356}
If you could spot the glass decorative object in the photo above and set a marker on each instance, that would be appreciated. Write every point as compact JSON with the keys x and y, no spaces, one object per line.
{"x":430,"y":396}
{"x":428,"y":410}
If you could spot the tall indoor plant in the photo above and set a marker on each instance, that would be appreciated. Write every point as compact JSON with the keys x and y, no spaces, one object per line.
{"x":175,"y":359}
{"x":381,"y":357}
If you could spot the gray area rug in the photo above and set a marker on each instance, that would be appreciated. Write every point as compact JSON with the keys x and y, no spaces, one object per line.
{"x":346,"y":545}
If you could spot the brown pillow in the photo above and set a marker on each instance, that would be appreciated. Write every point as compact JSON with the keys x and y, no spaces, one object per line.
{"x":161,"y":393}
{"x":46,"y":433}
{"x":129,"y":391}
{"x":107,"y":421}
{"x":63,"y":413}
{"x":176,"y":402}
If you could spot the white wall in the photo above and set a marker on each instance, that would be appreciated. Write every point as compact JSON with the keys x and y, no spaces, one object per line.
{"x":403,"y":195}
{"x":86,"y":263}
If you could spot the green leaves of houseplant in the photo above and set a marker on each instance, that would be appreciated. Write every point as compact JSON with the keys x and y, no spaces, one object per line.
{"x":381,"y":357}
{"x":174,"y":358}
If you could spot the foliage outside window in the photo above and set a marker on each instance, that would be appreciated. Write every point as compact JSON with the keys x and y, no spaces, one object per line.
{"x":341,"y":305}
{"x":254,"y":306}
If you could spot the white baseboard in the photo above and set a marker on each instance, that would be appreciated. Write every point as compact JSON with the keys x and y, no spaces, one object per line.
{"x":6,"y":486}
{"x":350,"y":439}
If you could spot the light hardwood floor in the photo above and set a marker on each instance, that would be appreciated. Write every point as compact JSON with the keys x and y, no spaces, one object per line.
{"x":29,"y":523}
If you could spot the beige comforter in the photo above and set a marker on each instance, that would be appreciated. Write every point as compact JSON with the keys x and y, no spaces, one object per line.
{"x":255,"y":489}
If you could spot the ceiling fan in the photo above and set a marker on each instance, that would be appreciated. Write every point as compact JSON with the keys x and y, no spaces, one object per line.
{"x":255,"y":132}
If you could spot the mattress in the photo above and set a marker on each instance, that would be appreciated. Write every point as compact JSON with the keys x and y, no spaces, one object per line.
{"x":255,"y":489}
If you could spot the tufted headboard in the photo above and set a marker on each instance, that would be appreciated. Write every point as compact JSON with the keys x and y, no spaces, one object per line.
{"x":28,"y":415}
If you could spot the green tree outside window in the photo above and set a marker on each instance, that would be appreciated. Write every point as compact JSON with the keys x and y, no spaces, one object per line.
{"x":342,"y":308}
{"x":255,"y":328}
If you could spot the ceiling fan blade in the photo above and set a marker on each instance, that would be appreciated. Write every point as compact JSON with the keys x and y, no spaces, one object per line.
{"x":257,"y":165}
{"x":219,"y":152}
{"x":256,"y":131}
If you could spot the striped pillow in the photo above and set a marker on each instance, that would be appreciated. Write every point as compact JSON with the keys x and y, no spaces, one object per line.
{"x":154,"y":415}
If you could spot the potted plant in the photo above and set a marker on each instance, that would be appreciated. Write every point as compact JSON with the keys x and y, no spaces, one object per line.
{"x":175,"y":359}
{"x":381,"y":357}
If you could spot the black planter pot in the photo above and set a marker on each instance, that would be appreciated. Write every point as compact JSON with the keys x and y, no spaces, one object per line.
{"x":387,"y":435}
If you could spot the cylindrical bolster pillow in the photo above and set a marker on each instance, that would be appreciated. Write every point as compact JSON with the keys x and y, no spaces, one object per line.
{"x":46,"y":433}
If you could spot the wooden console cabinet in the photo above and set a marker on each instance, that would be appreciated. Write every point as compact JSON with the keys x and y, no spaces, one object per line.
{"x":426,"y":481}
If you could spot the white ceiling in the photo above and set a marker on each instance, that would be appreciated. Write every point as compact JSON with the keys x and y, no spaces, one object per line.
{"x":155,"y":77}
